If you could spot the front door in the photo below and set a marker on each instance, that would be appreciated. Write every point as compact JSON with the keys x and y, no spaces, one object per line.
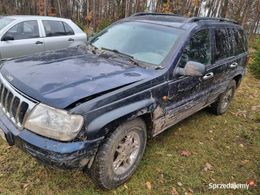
{"x":24,"y":39}
{"x":189,"y":94}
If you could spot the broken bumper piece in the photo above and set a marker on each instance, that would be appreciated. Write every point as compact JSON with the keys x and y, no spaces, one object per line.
{"x":66,"y":155}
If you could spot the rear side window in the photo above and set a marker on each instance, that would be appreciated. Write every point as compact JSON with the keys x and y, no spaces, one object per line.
{"x":223,"y":48}
{"x":68,"y":29}
{"x":198,"y":49}
{"x":240,"y":46}
{"x":24,"y":30}
{"x":57,"y":28}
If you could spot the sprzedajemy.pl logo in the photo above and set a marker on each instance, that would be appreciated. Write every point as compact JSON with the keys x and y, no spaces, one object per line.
{"x":249,"y":183}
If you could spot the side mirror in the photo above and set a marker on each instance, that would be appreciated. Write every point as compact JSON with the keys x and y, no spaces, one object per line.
{"x":7,"y":38}
{"x":192,"y":68}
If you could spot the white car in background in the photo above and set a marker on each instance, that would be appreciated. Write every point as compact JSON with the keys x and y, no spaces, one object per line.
{"x":24,"y":35}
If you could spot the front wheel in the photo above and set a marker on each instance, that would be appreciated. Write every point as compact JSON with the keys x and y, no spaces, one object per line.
{"x":120,"y":154}
{"x":221,"y":105}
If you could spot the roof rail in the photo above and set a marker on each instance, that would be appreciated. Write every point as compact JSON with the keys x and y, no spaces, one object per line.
{"x":152,"y":14}
{"x":196,"y":19}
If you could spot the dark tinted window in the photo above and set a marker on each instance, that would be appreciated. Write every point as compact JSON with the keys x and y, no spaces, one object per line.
{"x":223,"y":39}
{"x":57,"y":28}
{"x":244,"y":39}
{"x":240,"y":42}
{"x":24,"y":30}
{"x":198,"y":49}
{"x":68,"y":29}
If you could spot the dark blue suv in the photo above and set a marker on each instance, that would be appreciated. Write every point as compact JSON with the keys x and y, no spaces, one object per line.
{"x":93,"y":107}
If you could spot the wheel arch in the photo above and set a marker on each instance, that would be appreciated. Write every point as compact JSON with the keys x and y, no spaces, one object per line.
{"x":108,"y":122}
{"x":238,"y":79}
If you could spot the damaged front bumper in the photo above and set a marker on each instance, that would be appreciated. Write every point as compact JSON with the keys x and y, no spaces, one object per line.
{"x":66,"y":155}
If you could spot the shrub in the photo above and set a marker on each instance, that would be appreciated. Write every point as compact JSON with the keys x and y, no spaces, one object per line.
{"x":255,"y":63}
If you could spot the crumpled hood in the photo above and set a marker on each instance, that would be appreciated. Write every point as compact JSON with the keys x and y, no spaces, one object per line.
{"x":60,"y":78}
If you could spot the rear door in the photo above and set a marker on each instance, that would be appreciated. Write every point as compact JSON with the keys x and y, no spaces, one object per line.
{"x":58,"y":35}
{"x":26,"y":40}
{"x":224,"y":61}
{"x":240,"y":51}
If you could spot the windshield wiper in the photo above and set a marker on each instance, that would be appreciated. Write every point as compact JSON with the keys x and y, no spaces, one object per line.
{"x":129,"y":57}
{"x":92,"y":47}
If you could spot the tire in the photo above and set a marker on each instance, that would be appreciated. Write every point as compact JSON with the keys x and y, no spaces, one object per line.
{"x":119,"y":155}
{"x":221,"y":105}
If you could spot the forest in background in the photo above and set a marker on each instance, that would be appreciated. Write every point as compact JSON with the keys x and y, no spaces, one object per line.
{"x":96,"y":14}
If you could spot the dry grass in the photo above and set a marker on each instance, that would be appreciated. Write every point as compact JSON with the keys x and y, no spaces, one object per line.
{"x":228,"y":145}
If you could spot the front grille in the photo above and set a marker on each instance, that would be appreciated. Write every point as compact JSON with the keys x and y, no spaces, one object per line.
{"x":14,"y":104}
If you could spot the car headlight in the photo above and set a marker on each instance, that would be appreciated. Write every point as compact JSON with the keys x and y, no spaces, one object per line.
{"x":54,"y":123}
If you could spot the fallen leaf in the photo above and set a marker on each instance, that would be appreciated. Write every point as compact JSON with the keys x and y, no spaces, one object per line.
{"x":255,"y":108}
{"x":148,"y":185}
{"x":125,"y":186}
{"x":185,"y":153}
{"x":174,"y":191}
{"x":26,"y":185}
{"x":243,"y":162}
{"x":179,"y":184}
{"x":251,"y":183}
{"x":190,"y":190}
{"x":241,"y":145}
{"x":208,"y":167}
{"x":212,"y":179}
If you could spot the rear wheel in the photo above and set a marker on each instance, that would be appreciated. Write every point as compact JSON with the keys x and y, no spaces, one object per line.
{"x":119,"y":156}
{"x":221,"y":105}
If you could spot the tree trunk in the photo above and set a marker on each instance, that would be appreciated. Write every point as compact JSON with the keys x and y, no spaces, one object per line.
{"x":45,"y":7}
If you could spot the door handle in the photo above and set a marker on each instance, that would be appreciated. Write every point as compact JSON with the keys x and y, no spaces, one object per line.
{"x":233,"y":65}
{"x":208,"y":76}
{"x":70,"y":39}
{"x":38,"y":42}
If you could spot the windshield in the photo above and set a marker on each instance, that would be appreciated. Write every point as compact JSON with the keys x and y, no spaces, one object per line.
{"x":4,"y":22}
{"x":144,"y":42}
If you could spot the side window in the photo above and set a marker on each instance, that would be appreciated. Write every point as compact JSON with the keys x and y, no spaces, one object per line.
{"x":57,"y":28}
{"x":240,"y":41}
{"x":24,"y":30}
{"x":197,"y":49}
{"x":53,"y":28}
{"x":223,"y":44}
{"x":244,"y":39}
{"x":68,"y":29}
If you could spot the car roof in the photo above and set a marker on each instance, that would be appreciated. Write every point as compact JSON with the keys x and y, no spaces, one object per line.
{"x":177,"y":21}
{"x":31,"y":17}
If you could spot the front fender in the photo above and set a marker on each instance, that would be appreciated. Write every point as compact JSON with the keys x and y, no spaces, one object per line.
{"x":101,"y":121}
